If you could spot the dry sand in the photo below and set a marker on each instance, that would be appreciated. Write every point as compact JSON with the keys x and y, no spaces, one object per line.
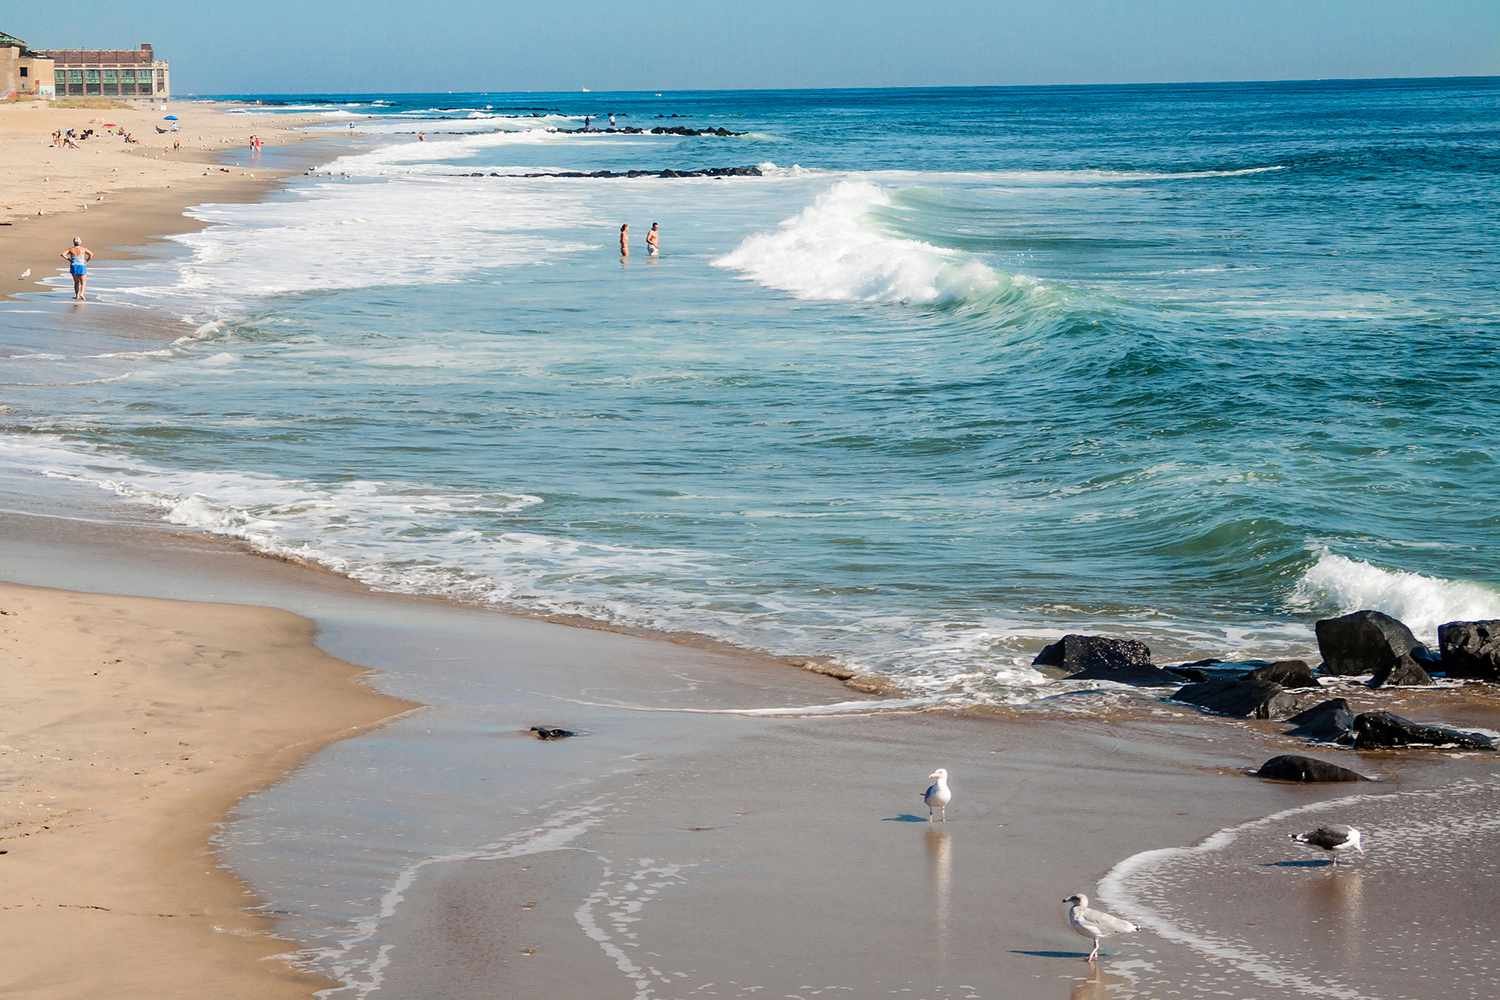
{"x":113,"y":194}
{"x":131,"y":727}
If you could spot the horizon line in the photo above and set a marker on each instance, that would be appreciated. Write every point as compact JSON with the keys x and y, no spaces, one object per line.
{"x":850,"y":87}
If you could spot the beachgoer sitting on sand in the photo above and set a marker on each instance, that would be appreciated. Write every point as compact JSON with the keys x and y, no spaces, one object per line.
{"x":624,"y":239}
{"x":653,"y":239}
{"x":78,"y":257}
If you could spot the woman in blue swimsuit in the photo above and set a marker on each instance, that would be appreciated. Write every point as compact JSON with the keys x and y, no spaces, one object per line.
{"x":78,"y":257}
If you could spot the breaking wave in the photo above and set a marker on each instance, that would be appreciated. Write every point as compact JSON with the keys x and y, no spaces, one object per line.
{"x":1341,"y":584}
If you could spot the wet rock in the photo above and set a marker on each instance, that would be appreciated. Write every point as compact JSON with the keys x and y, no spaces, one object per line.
{"x":1329,"y":720}
{"x":1191,"y":674}
{"x":828,"y":669}
{"x":1470,"y":650}
{"x":1383,"y":730}
{"x":746,"y":171}
{"x":1242,"y":698}
{"x":1287,"y":673}
{"x":1101,"y":658}
{"x":1364,"y":642}
{"x":1294,"y":767}
{"x":552,"y":733}
{"x":1403,"y":673}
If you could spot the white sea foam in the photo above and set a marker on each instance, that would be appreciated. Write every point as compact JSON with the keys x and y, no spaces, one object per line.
{"x":321,"y":239}
{"x":1338,"y":583}
{"x":835,"y":250}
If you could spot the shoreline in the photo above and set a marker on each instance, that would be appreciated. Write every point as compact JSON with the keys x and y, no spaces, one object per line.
{"x":135,"y":726}
{"x":119,"y":198}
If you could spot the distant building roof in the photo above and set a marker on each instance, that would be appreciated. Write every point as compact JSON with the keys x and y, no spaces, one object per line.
{"x":11,"y":41}
{"x":141,"y":56}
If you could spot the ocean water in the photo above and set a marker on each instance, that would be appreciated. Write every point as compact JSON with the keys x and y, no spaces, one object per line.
{"x":961,"y":371}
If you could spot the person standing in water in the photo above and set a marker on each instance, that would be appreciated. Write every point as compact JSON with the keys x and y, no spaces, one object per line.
{"x":611,"y":119}
{"x":624,"y":239}
{"x":653,"y":239}
{"x":78,"y":257}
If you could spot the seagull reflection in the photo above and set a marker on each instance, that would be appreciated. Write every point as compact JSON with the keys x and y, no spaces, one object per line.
{"x":1095,"y":987}
{"x":940,"y":865}
{"x":1338,"y":900}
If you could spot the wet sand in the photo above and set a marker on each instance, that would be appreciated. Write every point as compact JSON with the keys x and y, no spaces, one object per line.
{"x":131,"y":726}
{"x":714,"y":832}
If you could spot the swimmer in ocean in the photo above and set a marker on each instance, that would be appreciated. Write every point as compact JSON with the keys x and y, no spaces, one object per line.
{"x":653,"y":239}
{"x":624,"y":239}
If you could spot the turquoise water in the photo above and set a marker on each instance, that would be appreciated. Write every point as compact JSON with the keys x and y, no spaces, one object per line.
{"x":962,"y":370}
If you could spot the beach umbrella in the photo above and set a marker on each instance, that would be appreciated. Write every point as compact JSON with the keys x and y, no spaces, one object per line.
{"x":169,"y":118}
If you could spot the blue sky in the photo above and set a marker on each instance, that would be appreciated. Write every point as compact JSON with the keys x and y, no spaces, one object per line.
{"x":438,"y":45}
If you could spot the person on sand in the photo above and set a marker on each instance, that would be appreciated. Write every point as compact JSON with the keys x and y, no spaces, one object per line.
{"x":78,"y":257}
{"x":653,"y":239}
{"x":624,"y":239}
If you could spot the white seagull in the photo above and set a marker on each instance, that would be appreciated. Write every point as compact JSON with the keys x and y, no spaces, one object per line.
{"x":938,"y":794}
{"x":26,"y":274}
{"x":1094,"y":924}
{"x":1336,"y":839}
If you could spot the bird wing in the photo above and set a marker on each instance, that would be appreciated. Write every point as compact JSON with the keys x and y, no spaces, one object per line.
{"x":931,"y":791}
{"x":1327,"y":837}
{"x":1107,"y":922}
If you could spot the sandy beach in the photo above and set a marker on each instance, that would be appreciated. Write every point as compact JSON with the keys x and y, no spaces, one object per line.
{"x":114,"y":194}
{"x":131,"y":726}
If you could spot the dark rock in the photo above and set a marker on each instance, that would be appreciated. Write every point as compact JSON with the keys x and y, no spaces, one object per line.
{"x":552,"y":733}
{"x":1193,"y":675}
{"x":1379,"y":730}
{"x":1403,"y":673}
{"x":1294,"y":767}
{"x":1287,"y":673}
{"x":1364,"y":642}
{"x":1100,"y":658}
{"x":610,"y":174}
{"x":1242,"y":698}
{"x":1471,"y":649}
{"x":1329,"y":720}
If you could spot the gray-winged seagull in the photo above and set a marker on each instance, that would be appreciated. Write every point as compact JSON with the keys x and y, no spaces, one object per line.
{"x":1336,"y":839}
{"x":938,"y":794}
{"x":1094,"y":924}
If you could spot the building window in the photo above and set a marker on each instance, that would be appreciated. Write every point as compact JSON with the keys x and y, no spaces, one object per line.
{"x":91,"y":75}
{"x":109,"y":76}
{"x":25,"y":72}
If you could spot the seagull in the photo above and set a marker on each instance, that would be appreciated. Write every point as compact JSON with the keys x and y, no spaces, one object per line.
{"x":938,"y":794}
{"x":1094,"y":924}
{"x":1334,"y":839}
{"x":25,"y":274}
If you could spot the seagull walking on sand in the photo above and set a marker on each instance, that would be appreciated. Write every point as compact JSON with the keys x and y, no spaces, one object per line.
{"x":26,"y":274}
{"x":938,"y":794}
{"x":1094,"y":924}
{"x":1336,"y":839}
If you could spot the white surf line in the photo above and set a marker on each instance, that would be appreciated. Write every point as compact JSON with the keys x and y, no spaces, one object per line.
{"x":622,"y":911}
{"x":842,"y":709}
{"x":1112,"y":891}
{"x":362,"y":976}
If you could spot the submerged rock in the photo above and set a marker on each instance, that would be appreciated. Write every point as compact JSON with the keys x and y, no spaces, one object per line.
{"x":1329,"y":720}
{"x":1364,"y":642}
{"x":1471,"y":650}
{"x":1242,"y":698}
{"x":612,"y":174}
{"x":1287,"y":673}
{"x":1403,"y":673}
{"x":1101,"y":658}
{"x":1294,"y":767}
{"x":552,"y":733}
{"x":1383,"y":730}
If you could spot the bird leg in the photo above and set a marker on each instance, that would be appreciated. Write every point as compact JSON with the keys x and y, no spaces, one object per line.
{"x":929,"y":814}
{"x":1094,"y":955}
{"x":943,"y":813}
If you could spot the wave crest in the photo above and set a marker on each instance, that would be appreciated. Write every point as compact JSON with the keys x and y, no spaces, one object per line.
{"x":1422,"y":602}
{"x":834,"y":251}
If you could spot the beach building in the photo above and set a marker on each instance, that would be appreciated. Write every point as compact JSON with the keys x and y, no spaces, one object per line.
{"x":23,"y":73}
{"x":129,"y":74}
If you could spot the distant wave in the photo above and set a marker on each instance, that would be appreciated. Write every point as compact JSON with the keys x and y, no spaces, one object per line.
{"x":1338,"y":583}
{"x":834,"y":251}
